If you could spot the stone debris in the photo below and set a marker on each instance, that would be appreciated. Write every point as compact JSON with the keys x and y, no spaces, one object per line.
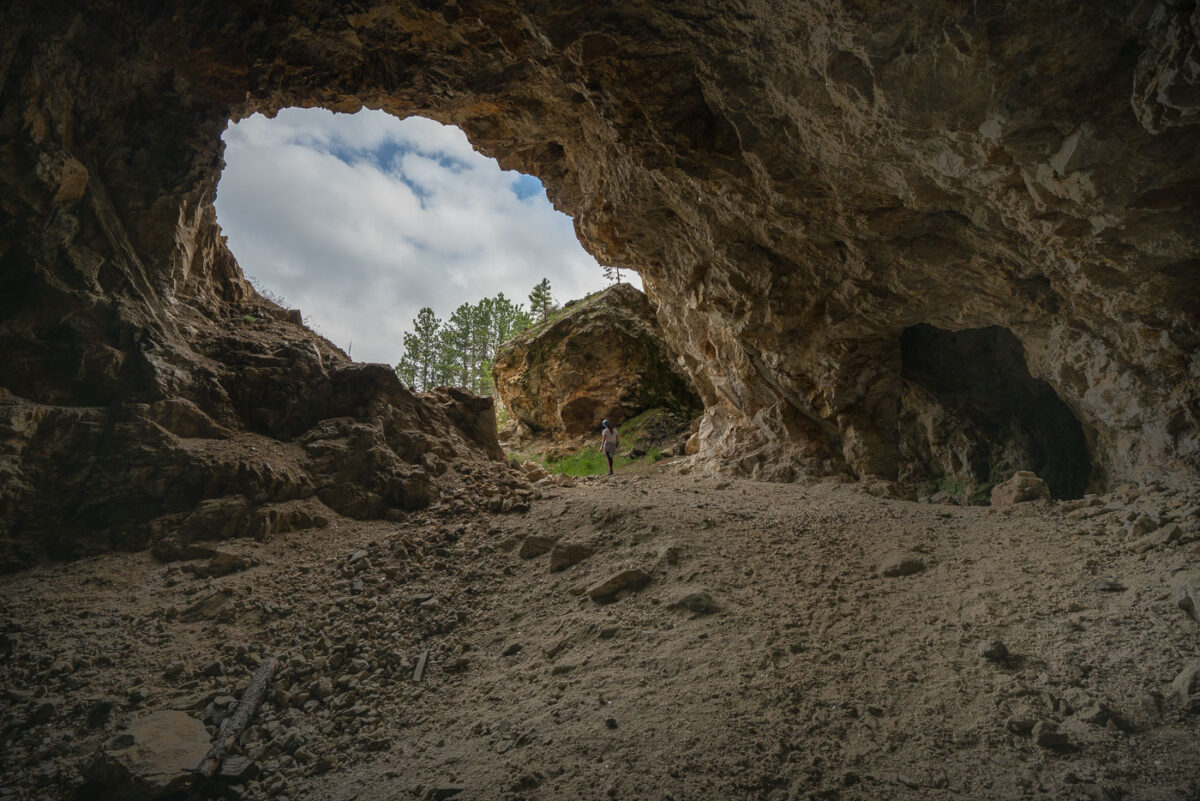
{"x":1166,"y":535}
{"x":1186,"y":686}
{"x":1023,"y":487}
{"x":568,"y":554}
{"x":212,"y":606}
{"x":1186,"y":594}
{"x":627,"y":580}
{"x":347,"y":693}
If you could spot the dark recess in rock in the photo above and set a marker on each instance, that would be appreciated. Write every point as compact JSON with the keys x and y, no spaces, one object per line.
{"x":971,"y":411}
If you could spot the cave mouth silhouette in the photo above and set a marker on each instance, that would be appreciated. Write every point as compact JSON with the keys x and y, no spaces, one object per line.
{"x":994,"y":417}
{"x":361,"y":219}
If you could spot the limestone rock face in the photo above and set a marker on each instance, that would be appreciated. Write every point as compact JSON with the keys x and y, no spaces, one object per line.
{"x":602,"y":357}
{"x":798,"y":185}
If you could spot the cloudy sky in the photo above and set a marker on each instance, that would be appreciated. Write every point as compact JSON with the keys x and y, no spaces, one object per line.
{"x":359,"y":220}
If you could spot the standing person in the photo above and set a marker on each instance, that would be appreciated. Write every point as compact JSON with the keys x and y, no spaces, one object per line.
{"x":608,"y":441}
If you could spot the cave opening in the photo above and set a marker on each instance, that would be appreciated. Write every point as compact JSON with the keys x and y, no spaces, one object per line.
{"x":971,"y":415}
{"x":361,"y":220}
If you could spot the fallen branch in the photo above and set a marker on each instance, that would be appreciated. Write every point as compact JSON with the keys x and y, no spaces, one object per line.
{"x":233,"y":726}
{"x":420,"y":671}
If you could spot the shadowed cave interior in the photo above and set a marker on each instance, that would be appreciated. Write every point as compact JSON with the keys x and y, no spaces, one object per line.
{"x":971,"y":414}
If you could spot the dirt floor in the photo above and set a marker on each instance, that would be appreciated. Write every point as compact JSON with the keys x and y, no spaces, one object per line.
{"x":760,"y":652}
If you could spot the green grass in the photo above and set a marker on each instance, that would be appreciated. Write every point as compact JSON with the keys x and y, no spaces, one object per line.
{"x":589,"y":460}
{"x":951,"y":485}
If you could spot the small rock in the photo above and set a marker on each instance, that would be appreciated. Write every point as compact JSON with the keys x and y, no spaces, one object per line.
{"x":1020,"y":726}
{"x":210,"y":607}
{"x":535,"y":545}
{"x":631,"y":579}
{"x":994,"y":651}
{"x":1157,"y":539}
{"x":901,"y":563}
{"x":670,"y":555}
{"x":1142,"y":712}
{"x":1186,"y":594}
{"x":1105,"y":585}
{"x":1095,"y":713}
{"x":565,"y":555}
{"x":1023,"y":487}
{"x":610,"y":723}
{"x":99,"y":711}
{"x":238,"y":769}
{"x":46,"y":711}
{"x":1186,"y":686}
{"x":1143,"y":524}
{"x":1047,"y":735}
{"x":213,"y":668}
{"x":174,"y":670}
{"x":223,"y":564}
{"x":698,"y":603}
{"x":444,"y":791}
{"x":357,"y":587}
{"x":512,"y":650}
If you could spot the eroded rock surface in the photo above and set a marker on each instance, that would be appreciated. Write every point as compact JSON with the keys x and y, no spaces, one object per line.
{"x":601,"y":357}
{"x":798,"y":186}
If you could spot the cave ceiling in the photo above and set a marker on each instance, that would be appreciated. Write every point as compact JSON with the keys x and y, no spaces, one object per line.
{"x":797,"y":184}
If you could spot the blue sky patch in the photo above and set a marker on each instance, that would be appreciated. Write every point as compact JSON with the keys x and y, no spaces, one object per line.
{"x":526,"y":186}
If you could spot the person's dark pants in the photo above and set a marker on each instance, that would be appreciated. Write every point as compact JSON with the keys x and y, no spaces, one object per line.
{"x":608,"y":456}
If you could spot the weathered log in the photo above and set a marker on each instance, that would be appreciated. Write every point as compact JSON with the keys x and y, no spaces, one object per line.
{"x":235,"y":724}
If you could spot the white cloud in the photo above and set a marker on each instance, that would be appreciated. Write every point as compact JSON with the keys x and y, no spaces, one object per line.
{"x":361,"y":219}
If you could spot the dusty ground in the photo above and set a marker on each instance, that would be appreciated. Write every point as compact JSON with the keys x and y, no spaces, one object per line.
{"x":811,"y":676}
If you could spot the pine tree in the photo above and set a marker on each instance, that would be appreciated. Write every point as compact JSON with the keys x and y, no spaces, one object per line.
{"x":461,"y":351}
{"x":420,"y":365}
{"x":508,"y":320}
{"x":612,"y":274}
{"x":540,"y":301}
{"x":454,"y":345}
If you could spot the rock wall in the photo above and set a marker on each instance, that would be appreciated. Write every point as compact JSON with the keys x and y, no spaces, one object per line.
{"x":601,"y":357}
{"x":797,"y":185}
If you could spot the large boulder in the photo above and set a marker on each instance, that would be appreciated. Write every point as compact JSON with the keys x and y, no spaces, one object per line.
{"x":151,"y":758}
{"x":601,"y":357}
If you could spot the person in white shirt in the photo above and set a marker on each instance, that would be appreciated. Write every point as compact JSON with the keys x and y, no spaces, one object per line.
{"x":608,"y":442}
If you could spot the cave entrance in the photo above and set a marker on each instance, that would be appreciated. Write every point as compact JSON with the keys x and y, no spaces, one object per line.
{"x":361,"y":220}
{"x":971,"y":415}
